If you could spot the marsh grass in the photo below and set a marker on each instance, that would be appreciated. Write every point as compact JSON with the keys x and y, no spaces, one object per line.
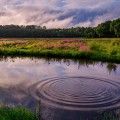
{"x":17,"y":113}
{"x":20,"y":113}
{"x":94,"y":49}
{"x":110,"y":115}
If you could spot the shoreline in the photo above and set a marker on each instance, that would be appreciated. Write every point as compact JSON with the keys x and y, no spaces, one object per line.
{"x":61,"y":55}
{"x":91,"y":49}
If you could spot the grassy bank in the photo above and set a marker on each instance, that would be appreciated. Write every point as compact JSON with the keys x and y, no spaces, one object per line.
{"x":19,"y":113}
{"x":16,"y":114}
{"x":94,"y":49}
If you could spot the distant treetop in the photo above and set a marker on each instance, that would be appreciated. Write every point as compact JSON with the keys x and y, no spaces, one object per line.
{"x":106,"y":29}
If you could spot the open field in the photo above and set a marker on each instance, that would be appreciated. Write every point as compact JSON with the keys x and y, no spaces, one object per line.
{"x":107,"y":49}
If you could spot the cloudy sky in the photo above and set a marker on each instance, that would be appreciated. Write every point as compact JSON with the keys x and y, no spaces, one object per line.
{"x":58,"y":13}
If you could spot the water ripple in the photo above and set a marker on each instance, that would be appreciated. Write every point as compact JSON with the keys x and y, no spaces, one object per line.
{"x":78,"y":93}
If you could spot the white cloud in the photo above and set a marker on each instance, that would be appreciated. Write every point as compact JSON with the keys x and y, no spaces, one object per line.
{"x":58,"y":23}
{"x":58,"y":13}
{"x":86,"y":3}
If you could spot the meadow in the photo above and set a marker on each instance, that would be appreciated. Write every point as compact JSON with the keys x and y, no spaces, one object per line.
{"x":100,"y":49}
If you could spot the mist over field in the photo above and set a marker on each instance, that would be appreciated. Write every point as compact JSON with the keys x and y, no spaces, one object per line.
{"x":58,"y":13}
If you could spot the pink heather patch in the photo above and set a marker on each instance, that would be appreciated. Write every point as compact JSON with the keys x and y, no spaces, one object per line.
{"x":84,"y":47}
{"x":70,"y":41}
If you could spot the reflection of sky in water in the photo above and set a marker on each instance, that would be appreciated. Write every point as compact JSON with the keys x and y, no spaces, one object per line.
{"x":17,"y":74}
{"x":17,"y":70}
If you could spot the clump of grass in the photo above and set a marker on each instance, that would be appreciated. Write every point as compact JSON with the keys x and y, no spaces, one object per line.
{"x":18,"y":113}
{"x":110,"y":115}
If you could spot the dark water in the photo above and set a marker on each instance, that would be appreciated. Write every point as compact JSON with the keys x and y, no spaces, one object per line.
{"x":62,"y":89}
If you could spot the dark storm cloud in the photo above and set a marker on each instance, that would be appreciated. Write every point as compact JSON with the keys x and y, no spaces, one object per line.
{"x":58,"y":13}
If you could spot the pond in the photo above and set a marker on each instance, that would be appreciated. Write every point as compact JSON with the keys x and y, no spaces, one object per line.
{"x":61,"y":89}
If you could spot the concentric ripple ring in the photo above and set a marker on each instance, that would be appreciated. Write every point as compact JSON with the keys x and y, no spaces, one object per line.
{"x":78,"y":93}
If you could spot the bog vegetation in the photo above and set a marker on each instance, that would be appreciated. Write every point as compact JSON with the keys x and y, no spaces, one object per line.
{"x":104,"y":49}
{"x":107,"y":29}
{"x":17,"y":113}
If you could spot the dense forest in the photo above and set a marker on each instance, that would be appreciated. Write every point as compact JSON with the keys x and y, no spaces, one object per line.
{"x":106,"y":29}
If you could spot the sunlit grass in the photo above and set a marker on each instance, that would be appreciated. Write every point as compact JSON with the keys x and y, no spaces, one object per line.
{"x":104,"y":49}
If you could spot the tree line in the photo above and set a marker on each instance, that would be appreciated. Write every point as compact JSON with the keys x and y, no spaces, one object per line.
{"x":106,"y":29}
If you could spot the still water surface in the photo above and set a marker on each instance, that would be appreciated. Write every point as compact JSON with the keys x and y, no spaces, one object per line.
{"x":61,"y":89}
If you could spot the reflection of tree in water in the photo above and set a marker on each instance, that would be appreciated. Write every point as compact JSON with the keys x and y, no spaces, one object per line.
{"x":111,"y":67}
{"x":85,"y":63}
{"x":80,"y":62}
